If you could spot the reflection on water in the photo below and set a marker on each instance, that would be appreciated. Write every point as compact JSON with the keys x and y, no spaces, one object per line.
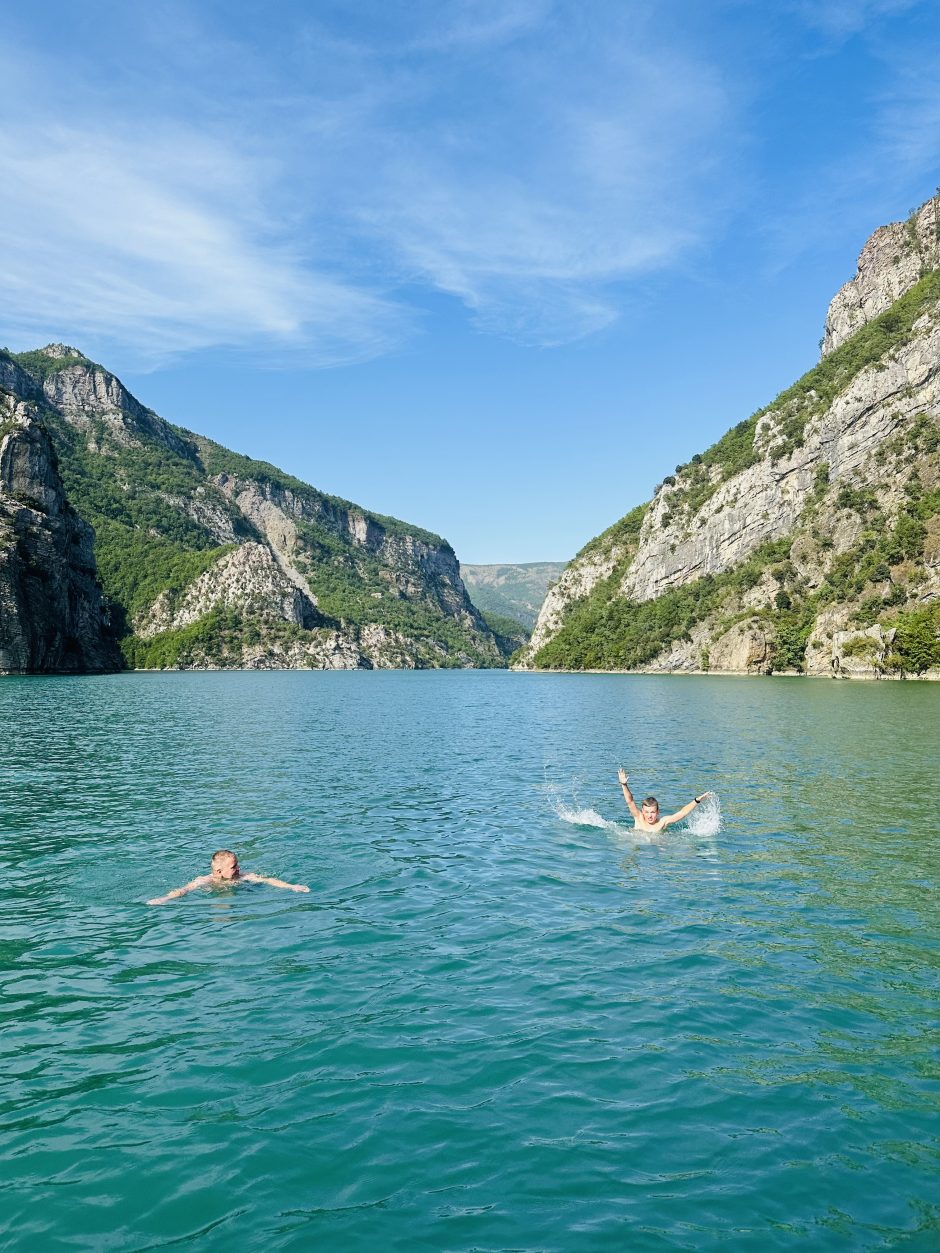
{"x":502,"y":1018}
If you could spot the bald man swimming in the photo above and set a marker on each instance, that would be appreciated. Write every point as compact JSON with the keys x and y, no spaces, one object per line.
{"x":224,"y":868}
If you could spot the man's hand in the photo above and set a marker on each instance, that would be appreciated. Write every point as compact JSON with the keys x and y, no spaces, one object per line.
{"x":622,"y":776}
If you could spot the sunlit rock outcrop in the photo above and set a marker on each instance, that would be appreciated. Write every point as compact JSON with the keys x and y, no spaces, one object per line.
{"x":211,"y":559}
{"x":808,"y":538}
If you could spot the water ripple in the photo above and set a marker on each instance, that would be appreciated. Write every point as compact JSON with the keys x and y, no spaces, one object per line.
{"x":500,"y":1019}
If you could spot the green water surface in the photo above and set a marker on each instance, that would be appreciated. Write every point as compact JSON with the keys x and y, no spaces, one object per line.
{"x":491,"y":1025}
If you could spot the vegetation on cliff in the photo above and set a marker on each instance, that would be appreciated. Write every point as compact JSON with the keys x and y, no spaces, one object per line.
{"x":53,"y":619}
{"x":215,"y":459}
{"x":803,"y":400}
{"x":861,"y":556}
{"x":606,"y":631}
{"x":219,"y":638}
{"x":152,"y":493}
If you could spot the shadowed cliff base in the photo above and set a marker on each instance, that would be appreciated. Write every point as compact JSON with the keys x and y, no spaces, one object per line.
{"x":53,"y":618}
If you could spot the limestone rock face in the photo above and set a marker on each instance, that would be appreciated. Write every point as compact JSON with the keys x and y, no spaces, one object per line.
{"x":87,"y":394}
{"x":766,"y":501}
{"x":277,"y":511}
{"x":217,"y":560}
{"x":889,"y":265}
{"x":248,"y":579}
{"x":17,"y":382}
{"x":744,"y":649}
{"x":845,"y":652}
{"x":323,"y":650}
{"x":415,"y":568}
{"x":822,"y":477}
{"x":52,"y":617}
{"x":387,"y":649}
{"x":207,"y":512}
{"x":578,"y":581}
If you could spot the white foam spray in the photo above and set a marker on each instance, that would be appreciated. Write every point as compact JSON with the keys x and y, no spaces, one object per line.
{"x":705,"y":819}
{"x":580,"y":817}
{"x":571,"y":810}
{"x":703,"y":822}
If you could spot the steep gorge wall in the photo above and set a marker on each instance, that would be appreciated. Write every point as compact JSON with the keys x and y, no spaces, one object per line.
{"x":766,"y":501}
{"x":842,"y":462}
{"x":421,"y":568}
{"x":52,"y":616}
{"x":213,"y":559}
{"x":892,"y":261}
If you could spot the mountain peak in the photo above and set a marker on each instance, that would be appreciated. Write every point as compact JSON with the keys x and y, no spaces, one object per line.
{"x":60,"y":352}
{"x":893,"y":260}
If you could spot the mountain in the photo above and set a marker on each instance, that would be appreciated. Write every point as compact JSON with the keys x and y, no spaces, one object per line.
{"x":211,"y":559}
{"x":808,"y":538}
{"x":510,"y":591}
{"x":53,"y":619}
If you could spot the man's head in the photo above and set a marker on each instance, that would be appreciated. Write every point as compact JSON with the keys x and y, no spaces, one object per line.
{"x":650,"y":809}
{"x":224,"y":864}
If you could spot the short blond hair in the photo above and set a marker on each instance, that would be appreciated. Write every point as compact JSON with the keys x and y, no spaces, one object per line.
{"x":222,"y":852}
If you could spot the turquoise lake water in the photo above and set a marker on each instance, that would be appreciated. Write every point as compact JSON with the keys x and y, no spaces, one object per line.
{"x":499,"y":1020}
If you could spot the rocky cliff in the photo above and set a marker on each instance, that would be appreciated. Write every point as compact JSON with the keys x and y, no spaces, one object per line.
{"x":52,"y":616}
{"x":808,"y":537}
{"x":212,"y":559}
{"x":892,"y":261}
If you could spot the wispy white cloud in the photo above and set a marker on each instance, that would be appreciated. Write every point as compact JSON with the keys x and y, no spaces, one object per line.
{"x":518,"y":156}
{"x":531,"y":184}
{"x":478,"y":23}
{"x":163,"y":239}
{"x":890,"y":165}
{"x":907,"y":128}
{"x":842,"y":18}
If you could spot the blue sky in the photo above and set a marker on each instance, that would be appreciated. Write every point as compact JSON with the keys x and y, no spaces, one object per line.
{"x":491,"y":267}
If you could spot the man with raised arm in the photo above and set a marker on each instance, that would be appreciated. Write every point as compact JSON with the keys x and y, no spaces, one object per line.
{"x":225,"y":869}
{"x":647,"y":817}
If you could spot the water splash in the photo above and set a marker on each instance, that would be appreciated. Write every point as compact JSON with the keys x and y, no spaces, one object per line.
{"x":580,"y":817}
{"x":705,"y":819}
{"x":571,"y":810}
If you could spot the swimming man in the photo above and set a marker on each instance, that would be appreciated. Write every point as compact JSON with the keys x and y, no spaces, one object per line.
{"x":225,"y":869}
{"x":647,"y":817}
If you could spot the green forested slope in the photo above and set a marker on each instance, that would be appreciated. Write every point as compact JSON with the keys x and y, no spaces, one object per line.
{"x":150,"y":491}
{"x":862,"y":553}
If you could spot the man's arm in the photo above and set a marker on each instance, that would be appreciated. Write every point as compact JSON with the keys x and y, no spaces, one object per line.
{"x":684,"y":811}
{"x":628,"y":795}
{"x":203,"y":881}
{"x":274,"y":883}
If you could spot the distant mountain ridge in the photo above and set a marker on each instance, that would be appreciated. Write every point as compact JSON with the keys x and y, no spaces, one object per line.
{"x":512,"y":591}
{"x":807,"y":539}
{"x":212,"y":559}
